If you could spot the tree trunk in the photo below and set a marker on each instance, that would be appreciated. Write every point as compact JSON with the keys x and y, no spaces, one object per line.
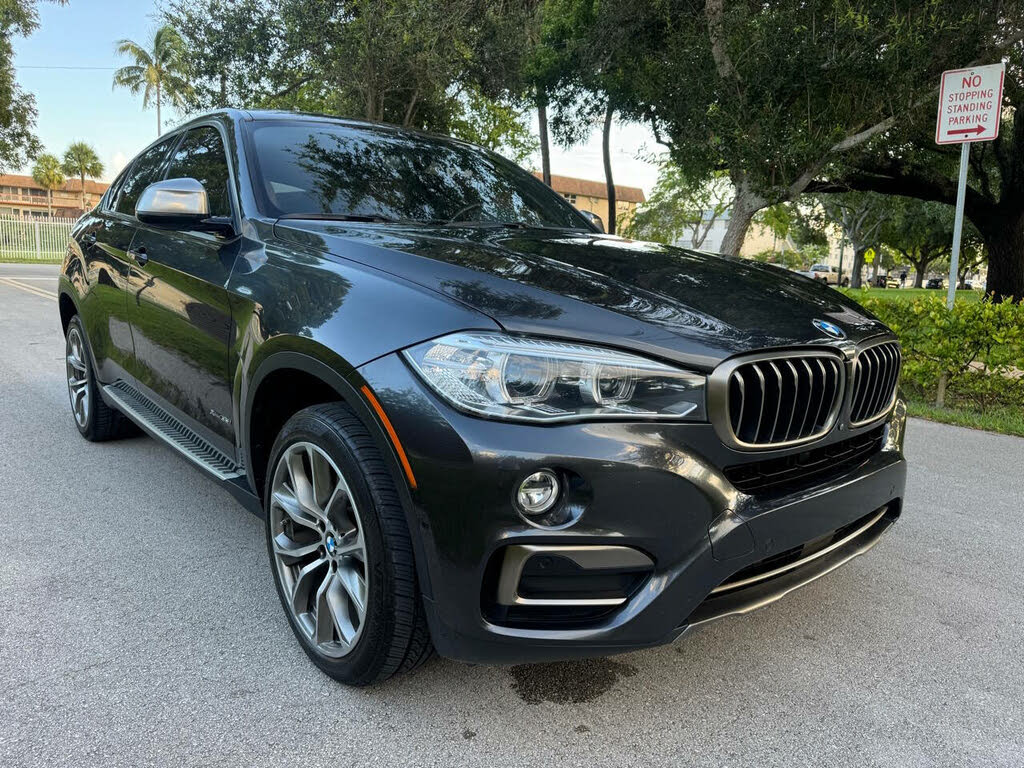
{"x":223,"y":89}
{"x":858,"y":266}
{"x":1005,"y":243}
{"x":82,"y":179}
{"x":605,"y":140}
{"x":158,"y":130}
{"x":410,"y":110}
{"x":49,"y":203}
{"x":919,"y":268}
{"x":545,"y":148}
{"x":744,"y":206}
{"x":961,"y":277}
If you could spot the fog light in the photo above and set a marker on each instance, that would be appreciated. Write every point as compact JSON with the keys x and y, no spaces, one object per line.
{"x":538,"y":492}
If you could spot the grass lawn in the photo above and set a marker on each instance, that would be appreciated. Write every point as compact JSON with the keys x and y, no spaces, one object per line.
{"x":30,"y":257}
{"x":1008,"y":421}
{"x":909,"y":294}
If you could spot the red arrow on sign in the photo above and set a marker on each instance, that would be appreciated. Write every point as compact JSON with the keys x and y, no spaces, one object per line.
{"x":976,"y":129}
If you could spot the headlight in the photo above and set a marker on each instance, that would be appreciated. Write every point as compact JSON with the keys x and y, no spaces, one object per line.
{"x":527,"y":379}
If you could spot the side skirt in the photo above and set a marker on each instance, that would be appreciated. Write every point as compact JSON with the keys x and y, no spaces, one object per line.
{"x":158,"y":423}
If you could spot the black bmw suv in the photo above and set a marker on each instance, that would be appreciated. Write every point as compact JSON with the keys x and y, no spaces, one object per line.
{"x":472,"y":421}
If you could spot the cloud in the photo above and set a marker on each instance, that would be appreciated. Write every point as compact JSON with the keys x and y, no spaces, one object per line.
{"x":117,"y":161}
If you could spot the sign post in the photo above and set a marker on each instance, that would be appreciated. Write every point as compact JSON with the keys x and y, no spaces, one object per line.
{"x":970,"y":107}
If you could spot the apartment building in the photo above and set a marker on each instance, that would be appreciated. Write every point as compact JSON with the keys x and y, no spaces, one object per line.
{"x":22,"y":196}
{"x":592,"y":196}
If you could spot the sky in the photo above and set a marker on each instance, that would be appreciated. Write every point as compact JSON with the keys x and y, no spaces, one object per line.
{"x":72,"y":85}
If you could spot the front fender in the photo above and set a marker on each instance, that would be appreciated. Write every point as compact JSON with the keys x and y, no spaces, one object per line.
{"x":326,"y":366}
{"x":287,"y":299}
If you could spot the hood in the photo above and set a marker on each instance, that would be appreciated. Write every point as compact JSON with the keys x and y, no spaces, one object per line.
{"x":691,"y":307}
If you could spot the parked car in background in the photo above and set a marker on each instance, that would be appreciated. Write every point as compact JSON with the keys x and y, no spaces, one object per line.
{"x":824,"y":273}
{"x":935,"y":283}
{"x":884,"y":281}
{"x":469,"y":419}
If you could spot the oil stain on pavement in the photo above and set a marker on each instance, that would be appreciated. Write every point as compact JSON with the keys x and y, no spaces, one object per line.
{"x":573,"y":682}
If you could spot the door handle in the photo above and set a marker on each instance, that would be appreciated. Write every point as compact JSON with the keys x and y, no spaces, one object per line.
{"x":140,"y":256}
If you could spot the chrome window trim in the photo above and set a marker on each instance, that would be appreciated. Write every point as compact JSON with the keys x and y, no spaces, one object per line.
{"x":718,"y":396}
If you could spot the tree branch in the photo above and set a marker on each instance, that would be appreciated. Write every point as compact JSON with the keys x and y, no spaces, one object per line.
{"x":891,"y":184}
{"x":859,"y":138}
{"x":714,"y":10}
{"x":291,"y":88}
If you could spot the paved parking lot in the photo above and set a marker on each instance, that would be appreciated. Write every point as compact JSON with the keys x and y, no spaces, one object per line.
{"x":139,"y":626}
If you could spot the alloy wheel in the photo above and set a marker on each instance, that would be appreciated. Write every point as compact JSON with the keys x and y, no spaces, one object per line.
{"x":78,"y":378}
{"x":319,"y":550}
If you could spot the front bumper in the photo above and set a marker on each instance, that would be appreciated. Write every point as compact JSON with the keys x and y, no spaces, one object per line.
{"x":653,"y":488}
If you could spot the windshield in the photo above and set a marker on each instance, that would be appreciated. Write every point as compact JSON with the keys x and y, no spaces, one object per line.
{"x":333,"y":170}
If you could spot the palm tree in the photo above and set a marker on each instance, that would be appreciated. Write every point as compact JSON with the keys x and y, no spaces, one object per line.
{"x":48,"y":174}
{"x":157,"y":73}
{"x":80,"y":160}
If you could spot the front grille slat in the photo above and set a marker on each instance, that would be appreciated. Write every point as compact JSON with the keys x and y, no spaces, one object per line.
{"x":778,"y":401}
{"x":785,"y":399}
{"x":822,"y":396}
{"x":875,"y":377}
{"x":878,"y":363}
{"x":893,"y":375}
{"x":760,"y":410}
{"x":794,"y":402}
{"x":742,"y":386}
{"x":883,"y":375}
{"x":861,"y":385}
{"x":810,"y":397}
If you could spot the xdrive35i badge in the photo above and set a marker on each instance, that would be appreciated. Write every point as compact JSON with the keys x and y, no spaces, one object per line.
{"x":829,"y":329}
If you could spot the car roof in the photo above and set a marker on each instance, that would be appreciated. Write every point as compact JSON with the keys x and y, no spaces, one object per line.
{"x":256,"y":115}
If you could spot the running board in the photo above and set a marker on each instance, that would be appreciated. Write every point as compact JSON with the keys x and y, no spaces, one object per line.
{"x":160,"y":424}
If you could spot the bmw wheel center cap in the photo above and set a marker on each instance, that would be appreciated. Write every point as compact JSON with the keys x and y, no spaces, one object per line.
{"x":330,"y":544}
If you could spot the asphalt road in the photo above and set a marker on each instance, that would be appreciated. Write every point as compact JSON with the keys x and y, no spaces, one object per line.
{"x":139,"y":626}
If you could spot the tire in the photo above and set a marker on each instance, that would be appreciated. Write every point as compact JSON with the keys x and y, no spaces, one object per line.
{"x":328,"y":493}
{"x":96,"y":421}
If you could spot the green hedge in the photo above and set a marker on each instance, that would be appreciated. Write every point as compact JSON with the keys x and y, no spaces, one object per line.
{"x":979,"y":347}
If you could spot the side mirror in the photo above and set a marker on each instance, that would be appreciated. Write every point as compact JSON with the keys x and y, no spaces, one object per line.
{"x":594,"y":219}
{"x":173,"y":204}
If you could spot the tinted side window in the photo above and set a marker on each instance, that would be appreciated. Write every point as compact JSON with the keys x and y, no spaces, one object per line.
{"x":201,"y":157}
{"x":145,"y":170}
{"x":110,"y":196}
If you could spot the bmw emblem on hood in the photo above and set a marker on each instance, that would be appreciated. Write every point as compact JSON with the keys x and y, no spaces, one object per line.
{"x":829,"y":329}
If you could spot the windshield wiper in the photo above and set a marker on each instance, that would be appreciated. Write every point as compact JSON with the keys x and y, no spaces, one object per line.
{"x":483,"y":223}
{"x":372,"y":218}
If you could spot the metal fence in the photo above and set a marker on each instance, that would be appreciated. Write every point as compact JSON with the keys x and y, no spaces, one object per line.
{"x":34,"y":239}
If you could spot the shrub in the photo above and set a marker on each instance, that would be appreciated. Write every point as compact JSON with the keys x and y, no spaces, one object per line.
{"x":978,"y":346}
